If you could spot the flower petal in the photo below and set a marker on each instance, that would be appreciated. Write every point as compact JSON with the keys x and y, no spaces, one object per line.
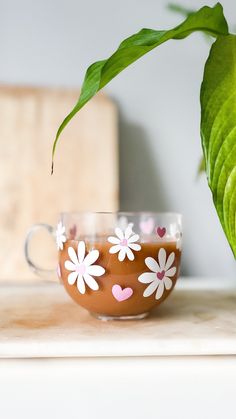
{"x":59,"y":244}
{"x":134,"y":246}
{"x":168,"y":283}
{"x":152,"y":264}
{"x":95,"y":270}
{"x":123,"y":222}
{"x":147,"y":277}
{"x":160,"y":290}
{"x":72,"y":278}
{"x":119,"y":233}
{"x":91,"y":257}
{"x":171,"y":271}
{"x":113,"y":240}
{"x":129,"y":253}
{"x":90,"y":281}
{"x":170,"y":261}
{"x":81,"y":251}
{"x":73,"y":256}
{"x":70,"y":266}
{"x":150,"y":289}
{"x":162,"y":258}
{"x":122,"y":254}
{"x":60,"y":228}
{"x":80,"y":284}
{"x":133,"y":238}
{"x":179,"y":245}
{"x":128,"y":232}
{"x":115,"y":249}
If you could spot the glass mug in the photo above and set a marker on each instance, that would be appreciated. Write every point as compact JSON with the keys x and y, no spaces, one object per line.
{"x":116,"y":265}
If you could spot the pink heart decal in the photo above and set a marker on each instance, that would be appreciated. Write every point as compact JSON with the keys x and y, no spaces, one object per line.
{"x":72,"y":232}
{"x":121,"y":295}
{"x":147,"y":226}
{"x":161,"y":231}
{"x":160,"y":275}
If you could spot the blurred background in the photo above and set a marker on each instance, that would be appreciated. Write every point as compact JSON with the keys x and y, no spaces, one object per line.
{"x":155,"y":127}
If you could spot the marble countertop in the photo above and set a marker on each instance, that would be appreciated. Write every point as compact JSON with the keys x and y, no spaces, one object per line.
{"x":39,"y":320}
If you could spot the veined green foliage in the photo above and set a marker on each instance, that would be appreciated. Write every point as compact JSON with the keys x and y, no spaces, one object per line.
{"x":218,"y":99}
{"x":99,"y":74}
{"x":218,"y":130}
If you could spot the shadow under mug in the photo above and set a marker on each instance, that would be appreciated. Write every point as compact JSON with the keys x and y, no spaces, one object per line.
{"x":116,"y":265}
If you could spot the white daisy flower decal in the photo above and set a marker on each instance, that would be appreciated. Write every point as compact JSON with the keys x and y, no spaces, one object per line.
{"x":82,"y":268}
{"x":60,"y":235}
{"x":124,"y":243}
{"x":123,"y":223}
{"x":159,"y":277}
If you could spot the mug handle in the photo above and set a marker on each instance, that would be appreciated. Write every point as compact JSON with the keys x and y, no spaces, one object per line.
{"x":49,"y":274}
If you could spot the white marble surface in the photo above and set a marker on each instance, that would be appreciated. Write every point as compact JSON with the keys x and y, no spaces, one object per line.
{"x":39,"y":320}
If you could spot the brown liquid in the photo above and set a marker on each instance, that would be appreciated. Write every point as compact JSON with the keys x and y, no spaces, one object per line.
{"x":124,"y":273}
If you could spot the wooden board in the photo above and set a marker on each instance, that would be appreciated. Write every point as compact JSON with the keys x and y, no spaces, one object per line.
{"x":86,"y":166}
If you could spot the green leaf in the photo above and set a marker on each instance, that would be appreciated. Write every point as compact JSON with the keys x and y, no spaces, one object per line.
{"x":218,"y":130}
{"x":207,"y":19}
{"x":177,"y":8}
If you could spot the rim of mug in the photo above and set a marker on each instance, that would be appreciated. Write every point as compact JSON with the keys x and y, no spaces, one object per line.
{"x":127,"y":213}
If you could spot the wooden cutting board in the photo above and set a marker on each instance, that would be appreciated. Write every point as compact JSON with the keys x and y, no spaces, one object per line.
{"x":85,"y":174}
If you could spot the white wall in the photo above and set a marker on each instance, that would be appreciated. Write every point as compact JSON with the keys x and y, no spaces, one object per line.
{"x":51,"y":42}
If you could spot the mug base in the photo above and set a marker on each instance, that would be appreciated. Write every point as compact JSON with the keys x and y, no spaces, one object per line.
{"x":105,"y":317}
